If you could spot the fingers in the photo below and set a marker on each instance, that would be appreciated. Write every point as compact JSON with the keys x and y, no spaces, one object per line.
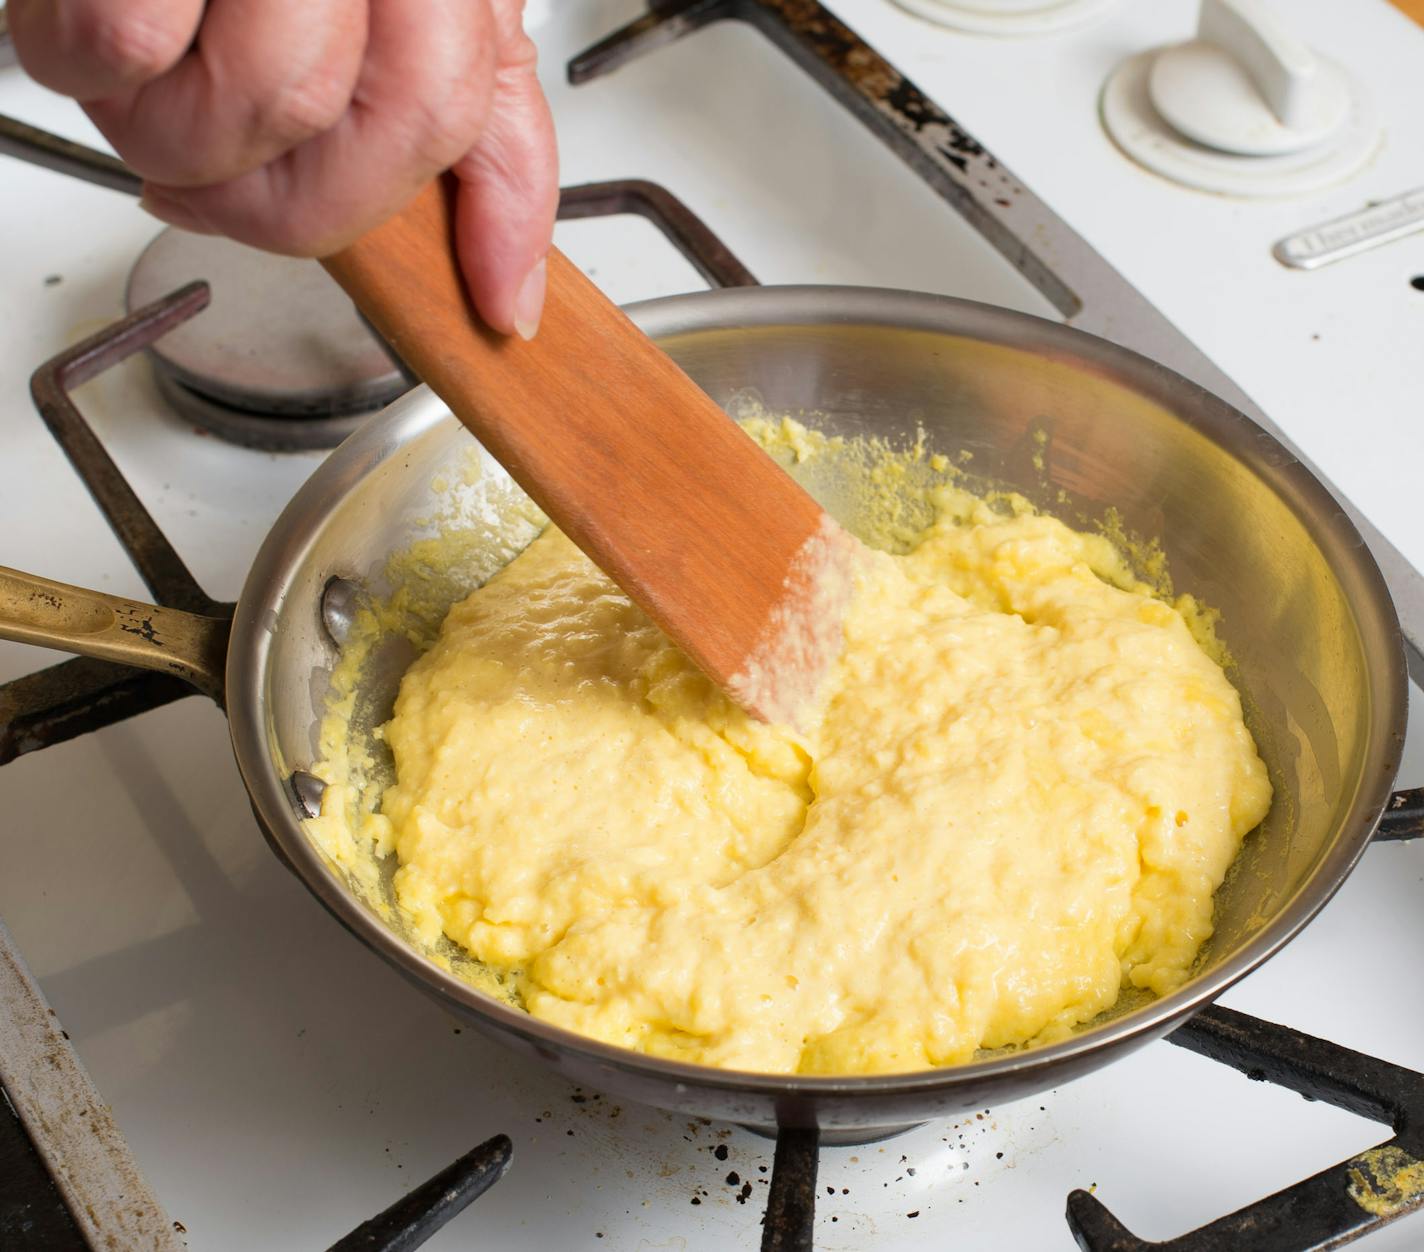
{"x":420,"y":101}
{"x":263,"y":77}
{"x":93,"y":49}
{"x":296,"y":127}
{"x":509,"y":191}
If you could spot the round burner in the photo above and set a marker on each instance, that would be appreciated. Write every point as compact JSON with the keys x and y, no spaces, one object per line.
{"x":279,"y":359}
{"x":254,"y":430}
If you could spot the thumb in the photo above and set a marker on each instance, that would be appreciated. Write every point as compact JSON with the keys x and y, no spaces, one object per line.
{"x":508,"y":197}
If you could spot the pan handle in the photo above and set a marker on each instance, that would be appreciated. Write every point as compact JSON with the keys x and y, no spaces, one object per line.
{"x":56,"y":615}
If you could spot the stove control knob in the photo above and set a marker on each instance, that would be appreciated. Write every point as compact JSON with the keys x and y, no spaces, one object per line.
{"x":1244,"y":109}
{"x":1245,"y":85}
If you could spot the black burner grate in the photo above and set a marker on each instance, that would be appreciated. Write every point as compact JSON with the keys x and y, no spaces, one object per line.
{"x":80,"y":695}
{"x":412,"y":1219}
{"x":32,"y":1211}
{"x":1335,"y":1206}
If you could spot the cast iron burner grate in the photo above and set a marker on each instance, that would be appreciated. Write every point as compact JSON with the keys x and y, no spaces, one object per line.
{"x":1333,"y":1207}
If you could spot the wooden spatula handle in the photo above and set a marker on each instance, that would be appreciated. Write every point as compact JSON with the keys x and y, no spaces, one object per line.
{"x":601,"y":428}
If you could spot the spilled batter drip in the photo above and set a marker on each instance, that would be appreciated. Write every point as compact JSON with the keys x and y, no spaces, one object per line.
{"x":1019,"y":791}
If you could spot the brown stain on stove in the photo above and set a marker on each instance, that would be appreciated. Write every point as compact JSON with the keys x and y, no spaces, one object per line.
{"x":883,"y":86}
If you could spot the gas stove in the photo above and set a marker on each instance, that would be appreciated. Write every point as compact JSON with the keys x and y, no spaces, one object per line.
{"x":272,"y":1084}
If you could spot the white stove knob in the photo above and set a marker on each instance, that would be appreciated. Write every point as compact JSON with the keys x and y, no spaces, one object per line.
{"x":1246,"y":85}
{"x":1244,"y":109}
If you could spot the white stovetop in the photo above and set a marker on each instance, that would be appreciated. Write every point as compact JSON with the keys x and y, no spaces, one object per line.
{"x":278,"y":1084}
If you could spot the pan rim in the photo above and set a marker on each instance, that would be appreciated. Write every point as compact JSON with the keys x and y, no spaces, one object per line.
{"x":745,"y":308}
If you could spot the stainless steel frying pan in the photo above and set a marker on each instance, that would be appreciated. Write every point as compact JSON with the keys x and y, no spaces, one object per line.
{"x":1077,"y":424}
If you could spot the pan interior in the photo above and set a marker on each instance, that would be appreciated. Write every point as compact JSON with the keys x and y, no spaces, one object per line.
{"x":1163,"y":468}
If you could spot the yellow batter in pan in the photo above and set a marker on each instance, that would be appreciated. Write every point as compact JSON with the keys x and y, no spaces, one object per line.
{"x":1018,"y":794}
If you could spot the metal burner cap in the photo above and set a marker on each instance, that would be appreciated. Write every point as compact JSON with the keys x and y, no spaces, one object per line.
{"x":279,"y":339}
{"x":284,"y":433}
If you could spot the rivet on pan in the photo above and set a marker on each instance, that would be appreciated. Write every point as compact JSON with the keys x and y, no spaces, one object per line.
{"x":340,"y":602}
{"x":308,"y":789}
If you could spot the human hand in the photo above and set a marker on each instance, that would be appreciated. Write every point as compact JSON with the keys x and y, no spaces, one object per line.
{"x":297,"y":126}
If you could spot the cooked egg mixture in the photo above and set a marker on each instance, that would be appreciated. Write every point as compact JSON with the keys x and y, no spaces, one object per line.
{"x":1017,"y":795}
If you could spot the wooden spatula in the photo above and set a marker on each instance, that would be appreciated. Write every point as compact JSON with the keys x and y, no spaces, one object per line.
{"x":635,"y":463}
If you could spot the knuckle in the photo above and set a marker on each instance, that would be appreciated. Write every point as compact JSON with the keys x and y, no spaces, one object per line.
{"x":442,"y":130}
{"x":310,"y":106}
{"x":444,"y":116}
{"x":519,"y":53}
{"x":131,"y":42}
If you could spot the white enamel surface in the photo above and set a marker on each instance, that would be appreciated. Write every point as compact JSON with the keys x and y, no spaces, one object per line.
{"x":1008,"y":19}
{"x":278,"y":1084}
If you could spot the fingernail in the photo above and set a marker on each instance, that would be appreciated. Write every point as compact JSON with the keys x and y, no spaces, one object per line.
{"x":174,"y":212}
{"x":529,"y":303}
